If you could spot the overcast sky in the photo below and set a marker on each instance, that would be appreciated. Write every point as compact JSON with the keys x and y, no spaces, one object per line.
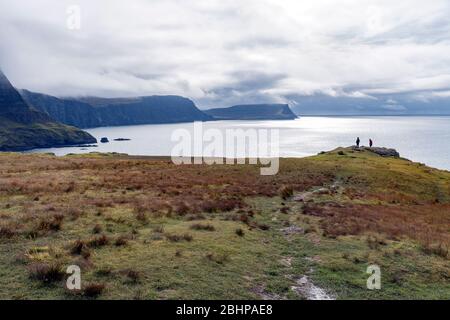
{"x":225,"y":52}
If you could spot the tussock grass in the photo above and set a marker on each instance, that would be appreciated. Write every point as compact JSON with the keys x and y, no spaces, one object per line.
{"x":132,"y":275}
{"x":93,"y":290}
{"x":203,"y":227}
{"x":7,"y":232}
{"x":73,"y":210}
{"x":50,"y":223}
{"x":47,"y":273}
{"x":240,"y":232}
{"x":286,"y":192}
{"x":99,"y":241}
{"x":97,"y":229}
{"x":177,"y":237}
{"x":121,"y":241}
{"x":218,"y":258}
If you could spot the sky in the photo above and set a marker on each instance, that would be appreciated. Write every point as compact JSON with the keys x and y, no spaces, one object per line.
{"x":221,"y":53}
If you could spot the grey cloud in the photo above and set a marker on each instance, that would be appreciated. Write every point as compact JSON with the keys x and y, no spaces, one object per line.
{"x":227,"y":52}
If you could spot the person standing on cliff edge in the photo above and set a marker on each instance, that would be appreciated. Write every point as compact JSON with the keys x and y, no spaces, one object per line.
{"x":370,"y":143}
{"x":358,"y":141}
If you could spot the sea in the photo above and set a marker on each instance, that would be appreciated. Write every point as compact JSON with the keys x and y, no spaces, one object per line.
{"x":424,"y":139}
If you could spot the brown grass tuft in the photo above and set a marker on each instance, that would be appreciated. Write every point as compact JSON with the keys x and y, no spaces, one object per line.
{"x":220,"y":205}
{"x":240,"y":232}
{"x":93,"y":290}
{"x":424,"y":223}
{"x":440,"y":250}
{"x":263,"y":226}
{"x":142,"y":217}
{"x":80,"y":248}
{"x":52,"y":223}
{"x":182,"y":209}
{"x":177,"y":238}
{"x":121,"y":241}
{"x":203,"y":227}
{"x":99,"y":241}
{"x":7,"y":232}
{"x":158,"y":229}
{"x":46,"y":273}
{"x":133,"y":275}
{"x":97,"y":229}
{"x":104,"y":272}
{"x":286,"y":192}
{"x":218,"y":258}
{"x":375,"y":242}
{"x":195,"y":216}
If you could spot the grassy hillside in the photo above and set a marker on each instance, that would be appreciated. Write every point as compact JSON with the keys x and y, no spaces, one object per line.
{"x":143,"y":228}
{"x":22,"y":127}
{"x":19,"y":136}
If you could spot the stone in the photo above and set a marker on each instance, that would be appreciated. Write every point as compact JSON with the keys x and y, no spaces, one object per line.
{"x":384,"y":152}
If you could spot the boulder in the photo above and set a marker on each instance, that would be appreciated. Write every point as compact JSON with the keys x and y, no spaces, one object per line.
{"x":384,"y":152}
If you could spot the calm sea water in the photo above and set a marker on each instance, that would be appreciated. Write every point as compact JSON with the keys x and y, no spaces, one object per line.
{"x":421,"y":139}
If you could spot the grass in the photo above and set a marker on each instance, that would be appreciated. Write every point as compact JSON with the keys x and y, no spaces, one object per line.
{"x":47,"y":273}
{"x":93,"y":290}
{"x":98,"y":241}
{"x":203,"y":227}
{"x":143,"y":228}
{"x":15,"y":135}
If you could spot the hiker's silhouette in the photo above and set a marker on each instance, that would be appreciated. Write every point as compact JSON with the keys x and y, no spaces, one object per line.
{"x":370,"y":143}
{"x":358,"y":141}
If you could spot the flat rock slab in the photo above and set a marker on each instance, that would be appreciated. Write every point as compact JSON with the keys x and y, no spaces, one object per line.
{"x":384,"y":152}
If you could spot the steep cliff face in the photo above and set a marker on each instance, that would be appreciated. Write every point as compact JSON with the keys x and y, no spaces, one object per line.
{"x":22,"y":127}
{"x":98,"y":112}
{"x":12,"y":106}
{"x":70,"y":112}
{"x":253,"y":112}
{"x":146,"y":110}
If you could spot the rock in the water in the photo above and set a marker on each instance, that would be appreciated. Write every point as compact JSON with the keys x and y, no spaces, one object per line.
{"x":104,"y":140}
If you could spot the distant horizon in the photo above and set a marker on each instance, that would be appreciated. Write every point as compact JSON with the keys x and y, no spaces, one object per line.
{"x":296,"y":109}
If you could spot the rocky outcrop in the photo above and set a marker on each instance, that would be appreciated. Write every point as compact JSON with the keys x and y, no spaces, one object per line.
{"x":100,"y":112}
{"x":22,"y":127}
{"x":70,"y":112}
{"x":384,"y":152}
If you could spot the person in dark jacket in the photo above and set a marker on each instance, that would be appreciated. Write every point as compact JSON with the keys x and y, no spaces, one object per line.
{"x":358,"y":141}
{"x":370,"y":143}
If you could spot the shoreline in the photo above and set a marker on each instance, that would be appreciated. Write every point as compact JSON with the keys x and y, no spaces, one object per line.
{"x":93,"y":154}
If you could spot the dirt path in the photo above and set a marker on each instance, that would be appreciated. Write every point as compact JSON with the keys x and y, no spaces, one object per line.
{"x":305,"y":288}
